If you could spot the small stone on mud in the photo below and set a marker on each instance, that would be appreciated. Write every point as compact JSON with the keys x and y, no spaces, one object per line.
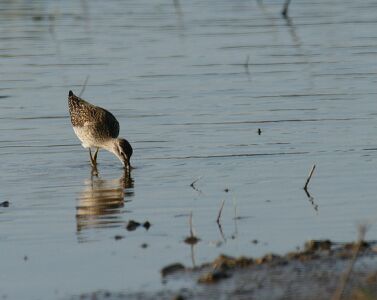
{"x":25,"y":258}
{"x":132,"y":225}
{"x":255,"y":241}
{"x":226,"y":190}
{"x":144,"y":245}
{"x":172,"y":269}
{"x":352,"y":246}
{"x":314,"y":245}
{"x":118,"y":237}
{"x":213,"y":277}
{"x":225,"y":262}
{"x":268,"y":258}
{"x":4,"y":204}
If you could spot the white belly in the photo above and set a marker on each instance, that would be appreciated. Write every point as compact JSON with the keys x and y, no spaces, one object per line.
{"x":85,"y":137}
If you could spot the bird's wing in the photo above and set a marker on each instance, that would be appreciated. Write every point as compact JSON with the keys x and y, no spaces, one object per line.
{"x":97,"y":119}
{"x":109,"y":124}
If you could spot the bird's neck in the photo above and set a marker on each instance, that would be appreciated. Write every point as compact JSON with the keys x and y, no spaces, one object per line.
{"x":110,"y":145}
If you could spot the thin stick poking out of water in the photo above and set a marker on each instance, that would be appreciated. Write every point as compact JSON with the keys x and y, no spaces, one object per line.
{"x":84,"y":86}
{"x":246,"y":64}
{"x":192,"y":239}
{"x":193,"y":184}
{"x":220,"y":211}
{"x":284,"y":12}
{"x":309,"y":177}
{"x":190,"y":222}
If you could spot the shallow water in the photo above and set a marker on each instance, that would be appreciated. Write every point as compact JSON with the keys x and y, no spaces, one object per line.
{"x":190,"y":84}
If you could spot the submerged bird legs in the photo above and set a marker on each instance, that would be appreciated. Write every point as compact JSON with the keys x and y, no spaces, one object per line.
{"x":93,"y":159}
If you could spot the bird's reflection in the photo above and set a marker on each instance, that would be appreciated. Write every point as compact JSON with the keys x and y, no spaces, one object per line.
{"x":101,"y":202}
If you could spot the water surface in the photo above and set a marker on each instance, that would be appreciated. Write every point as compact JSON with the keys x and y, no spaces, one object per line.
{"x":191,"y":84}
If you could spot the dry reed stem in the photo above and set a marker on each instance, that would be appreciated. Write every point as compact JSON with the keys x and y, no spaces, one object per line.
{"x":190,"y":222}
{"x":309,"y":177}
{"x":284,"y":12}
{"x":220,"y":211}
{"x":84,"y":86}
{"x":339,"y":292}
{"x":193,"y":184}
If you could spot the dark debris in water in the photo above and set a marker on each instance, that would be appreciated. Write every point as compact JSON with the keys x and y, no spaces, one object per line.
{"x":147,"y":225}
{"x":179,"y":297}
{"x":133,"y":225}
{"x":118,"y":237}
{"x":172,"y":268}
{"x":191,"y":240}
{"x":4,"y":204}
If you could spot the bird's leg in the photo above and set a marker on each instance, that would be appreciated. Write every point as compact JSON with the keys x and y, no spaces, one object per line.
{"x":95,"y":156}
{"x":92,"y":161}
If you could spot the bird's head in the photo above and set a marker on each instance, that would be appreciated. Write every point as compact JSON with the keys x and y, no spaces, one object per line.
{"x":123,"y":150}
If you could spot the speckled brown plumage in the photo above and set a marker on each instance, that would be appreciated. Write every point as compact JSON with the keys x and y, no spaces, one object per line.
{"x":98,"y":124}
{"x":97,"y":128}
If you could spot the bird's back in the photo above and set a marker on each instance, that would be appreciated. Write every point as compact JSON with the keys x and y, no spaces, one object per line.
{"x":96,"y":123}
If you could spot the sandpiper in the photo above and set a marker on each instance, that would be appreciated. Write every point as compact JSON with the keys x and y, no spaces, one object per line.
{"x":98,"y":128}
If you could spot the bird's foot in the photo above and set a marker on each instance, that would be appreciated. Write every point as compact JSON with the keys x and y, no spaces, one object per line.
{"x":94,"y":171}
{"x":95,"y":156}
{"x":93,"y":159}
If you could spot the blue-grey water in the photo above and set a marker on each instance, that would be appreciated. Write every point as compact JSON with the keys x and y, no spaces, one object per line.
{"x":190,"y":83}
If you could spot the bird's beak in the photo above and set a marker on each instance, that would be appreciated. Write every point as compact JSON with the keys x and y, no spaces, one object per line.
{"x":126,"y":162}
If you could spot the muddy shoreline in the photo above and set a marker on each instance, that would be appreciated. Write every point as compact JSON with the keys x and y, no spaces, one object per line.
{"x":315,"y":272}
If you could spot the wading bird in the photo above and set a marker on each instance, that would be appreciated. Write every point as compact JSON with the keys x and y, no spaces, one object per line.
{"x":98,"y":128}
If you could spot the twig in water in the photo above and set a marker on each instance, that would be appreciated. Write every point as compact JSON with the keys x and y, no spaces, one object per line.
{"x":309,"y":177}
{"x":190,"y":222}
{"x":284,"y":12}
{"x":339,"y":292}
{"x":192,"y":250}
{"x":221,"y":231}
{"x":192,"y":239}
{"x":246,"y":65}
{"x":177,"y":6}
{"x":311,"y":200}
{"x":193,"y":184}
{"x":235,"y":219}
{"x":84,"y":86}
{"x":220,"y":211}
